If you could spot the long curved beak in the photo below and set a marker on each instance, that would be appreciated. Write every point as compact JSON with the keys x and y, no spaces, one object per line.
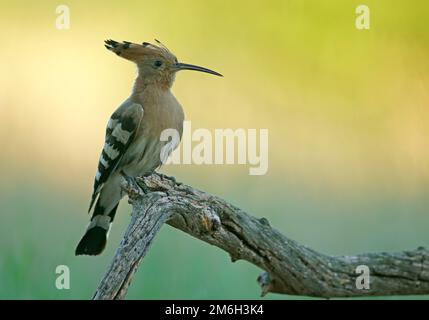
{"x":186,"y":66}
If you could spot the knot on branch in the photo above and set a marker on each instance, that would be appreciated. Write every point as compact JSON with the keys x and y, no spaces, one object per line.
{"x":157,"y":182}
{"x":210,"y":220}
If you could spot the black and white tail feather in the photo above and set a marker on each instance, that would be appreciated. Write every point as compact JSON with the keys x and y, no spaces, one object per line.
{"x":120,"y":133}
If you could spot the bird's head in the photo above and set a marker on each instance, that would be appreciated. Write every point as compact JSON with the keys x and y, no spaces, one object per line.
{"x":156,"y":64}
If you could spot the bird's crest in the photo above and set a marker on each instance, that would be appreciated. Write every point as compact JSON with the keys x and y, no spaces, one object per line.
{"x":136,"y":52}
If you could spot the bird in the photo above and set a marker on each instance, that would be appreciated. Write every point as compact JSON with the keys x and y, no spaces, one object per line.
{"x":132,"y":144}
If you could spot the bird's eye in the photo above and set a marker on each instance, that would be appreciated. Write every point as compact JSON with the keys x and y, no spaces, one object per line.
{"x":158,"y":63}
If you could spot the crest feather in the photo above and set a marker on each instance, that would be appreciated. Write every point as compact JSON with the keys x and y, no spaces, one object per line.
{"x":135,"y":52}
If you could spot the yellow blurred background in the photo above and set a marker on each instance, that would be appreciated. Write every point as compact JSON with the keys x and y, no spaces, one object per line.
{"x":347,"y":113}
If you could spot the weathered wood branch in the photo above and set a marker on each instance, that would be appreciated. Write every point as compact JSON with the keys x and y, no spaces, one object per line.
{"x":290,"y":268}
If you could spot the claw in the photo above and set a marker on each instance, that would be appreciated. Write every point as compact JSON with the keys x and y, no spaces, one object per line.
{"x":144,"y":188}
{"x":165,"y":177}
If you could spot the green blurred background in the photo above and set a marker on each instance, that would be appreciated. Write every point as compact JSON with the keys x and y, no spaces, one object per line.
{"x":347,"y":113}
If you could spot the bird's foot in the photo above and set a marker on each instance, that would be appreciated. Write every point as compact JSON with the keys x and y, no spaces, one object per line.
{"x":171,"y":178}
{"x":144,"y":188}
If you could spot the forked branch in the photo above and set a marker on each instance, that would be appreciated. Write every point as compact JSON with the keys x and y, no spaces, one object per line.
{"x":289,"y":267}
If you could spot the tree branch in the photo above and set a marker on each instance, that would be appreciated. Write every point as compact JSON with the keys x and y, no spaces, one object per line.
{"x":290,"y":268}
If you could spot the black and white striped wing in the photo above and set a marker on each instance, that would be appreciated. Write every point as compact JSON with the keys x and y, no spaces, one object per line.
{"x":120,"y":132}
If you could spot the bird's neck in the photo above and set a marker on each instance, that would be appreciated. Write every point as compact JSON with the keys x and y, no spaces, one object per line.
{"x":143,"y":87}
{"x":162,"y":83}
{"x":139,"y":85}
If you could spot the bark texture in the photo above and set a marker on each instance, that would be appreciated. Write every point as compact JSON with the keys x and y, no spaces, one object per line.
{"x":289,"y":267}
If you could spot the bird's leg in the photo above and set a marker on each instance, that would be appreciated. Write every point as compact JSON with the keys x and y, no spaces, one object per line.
{"x":125,"y":176}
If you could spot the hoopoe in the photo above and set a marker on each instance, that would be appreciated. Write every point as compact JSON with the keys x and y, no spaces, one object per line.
{"x":132,"y":144}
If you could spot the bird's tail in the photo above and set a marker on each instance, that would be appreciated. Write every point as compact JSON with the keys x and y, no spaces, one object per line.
{"x":94,"y":240}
